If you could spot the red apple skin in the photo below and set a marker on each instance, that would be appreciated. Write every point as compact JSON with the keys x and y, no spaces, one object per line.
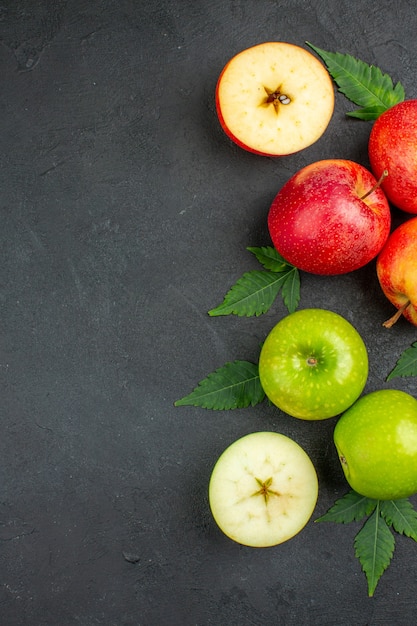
{"x":224,"y":125}
{"x":396,"y":268}
{"x":319,"y":223}
{"x":393,"y":146}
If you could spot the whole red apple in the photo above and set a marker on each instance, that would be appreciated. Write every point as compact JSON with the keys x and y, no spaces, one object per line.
{"x":397,"y":271}
{"x":393,"y":147}
{"x":330,"y":218}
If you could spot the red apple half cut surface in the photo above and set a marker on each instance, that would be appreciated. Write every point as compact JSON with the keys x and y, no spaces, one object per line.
{"x":396,"y":268}
{"x":263,"y":489}
{"x":393,"y":146}
{"x":274,"y":99}
{"x":329,"y":218}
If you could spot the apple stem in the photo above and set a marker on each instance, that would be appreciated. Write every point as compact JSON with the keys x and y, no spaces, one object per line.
{"x":377,"y":184}
{"x":396,"y":316}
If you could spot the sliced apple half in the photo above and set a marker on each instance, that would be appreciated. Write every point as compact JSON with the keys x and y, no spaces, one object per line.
{"x":263,"y":489}
{"x":274,"y":98}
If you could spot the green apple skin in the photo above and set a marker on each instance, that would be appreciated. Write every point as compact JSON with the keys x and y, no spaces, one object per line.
{"x":263,"y":517}
{"x":396,"y":268}
{"x":313,"y":364}
{"x":392,"y":147}
{"x":376,"y":440}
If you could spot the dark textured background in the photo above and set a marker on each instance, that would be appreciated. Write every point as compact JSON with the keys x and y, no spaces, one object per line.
{"x":125,"y":217}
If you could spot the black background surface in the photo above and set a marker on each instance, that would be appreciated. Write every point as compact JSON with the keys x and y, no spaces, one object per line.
{"x":125,"y":217}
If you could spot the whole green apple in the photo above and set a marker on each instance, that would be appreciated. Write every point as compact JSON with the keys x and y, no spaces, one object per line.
{"x":376,"y":440}
{"x":396,"y":268}
{"x":329,"y":218}
{"x":392,"y":147}
{"x":263,"y":489}
{"x":313,"y":364}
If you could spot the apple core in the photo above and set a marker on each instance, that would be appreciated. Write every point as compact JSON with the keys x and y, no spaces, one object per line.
{"x":276,"y":98}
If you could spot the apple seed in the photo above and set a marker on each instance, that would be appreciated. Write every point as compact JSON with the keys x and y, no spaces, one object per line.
{"x":276,"y":98}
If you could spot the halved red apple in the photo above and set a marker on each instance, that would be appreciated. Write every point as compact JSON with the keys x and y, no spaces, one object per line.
{"x":274,"y":99}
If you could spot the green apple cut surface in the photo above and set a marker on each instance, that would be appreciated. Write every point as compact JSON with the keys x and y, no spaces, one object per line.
{"x":263,"y":489}
{"x":274,"y":99}
{"x":396,"y":268}
{"x":376,"y":440}
{"x":329,"y":218}
{"x":313,"y":364}
{"x":393,"y":146}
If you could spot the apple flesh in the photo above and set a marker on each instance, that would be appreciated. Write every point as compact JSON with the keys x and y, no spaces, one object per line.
{"x":396,"y":268}
{"x":313,"y":364}
{"x":393,"y":146}
{"x":376,"y":440}
{"x":263,"y":489}
{"x":274,"y":99}
{"x":329,"y":218}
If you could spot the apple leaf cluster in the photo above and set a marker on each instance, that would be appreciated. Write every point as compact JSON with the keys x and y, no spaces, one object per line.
{"x":375,"y":542}
{"x":363,"y":84}
{"x":255,"y":292}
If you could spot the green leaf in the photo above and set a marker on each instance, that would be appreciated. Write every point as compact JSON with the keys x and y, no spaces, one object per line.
{"x":236,"y":385}
{"x":291,"y":290}
{"x":351,"y":507}
{"x":401,"y":515}
{"x":253,"y":294}
{"x":374,"y":547}
{"x":363,"y":84}
{"x":368,"y":113}
{"x":406,"y":364}
{"x":270,"y":258}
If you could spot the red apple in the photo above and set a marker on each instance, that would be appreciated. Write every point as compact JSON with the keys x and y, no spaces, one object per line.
{"x":393,"y":147}
{"x":397,"y":271}
{"x":330,"y":218}
{"x":274,"y":98}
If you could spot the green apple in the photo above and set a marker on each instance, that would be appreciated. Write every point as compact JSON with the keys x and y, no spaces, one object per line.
{"x":376,"y":440}
{"x":313,"y":364}
{"x":263,"y":489}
